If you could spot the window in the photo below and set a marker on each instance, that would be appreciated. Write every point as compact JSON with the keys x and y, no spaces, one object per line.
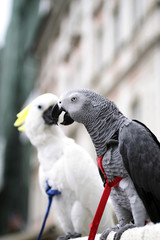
{"x":117,"y":27}
{"x":136,"y":110}
{"x":138,"y":11}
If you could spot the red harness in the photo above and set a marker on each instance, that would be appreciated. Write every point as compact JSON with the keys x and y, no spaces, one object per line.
{"x":101,"y":206}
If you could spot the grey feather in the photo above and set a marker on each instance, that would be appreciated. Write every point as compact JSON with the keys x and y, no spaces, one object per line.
{"x":135,"y":156}
{"x":100,"y":116}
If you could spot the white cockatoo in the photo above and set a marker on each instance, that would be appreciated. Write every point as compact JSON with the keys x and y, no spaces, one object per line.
{"x":66,"y":166}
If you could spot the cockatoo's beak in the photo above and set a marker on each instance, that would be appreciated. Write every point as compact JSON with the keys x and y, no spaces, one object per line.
{"x":57,"y":110}
{"x":47,"y":116}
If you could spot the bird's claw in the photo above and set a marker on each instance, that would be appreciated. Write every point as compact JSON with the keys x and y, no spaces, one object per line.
{"x":121,"y":230}
{"x":106,"y":232}
{"x":118,"y":231}
{"x":69,"y":235}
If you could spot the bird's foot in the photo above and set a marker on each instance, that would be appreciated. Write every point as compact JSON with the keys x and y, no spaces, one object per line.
{"x":121,"y":230}
{"x":69,"y":235}
{"x":106,"y":232}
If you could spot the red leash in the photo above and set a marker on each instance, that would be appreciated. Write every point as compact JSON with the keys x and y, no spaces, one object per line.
{"x":101,"y":206}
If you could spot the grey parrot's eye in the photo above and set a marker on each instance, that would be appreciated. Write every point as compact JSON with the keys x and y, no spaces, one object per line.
{"x":39,"y":106}
{"x":73,"y":99}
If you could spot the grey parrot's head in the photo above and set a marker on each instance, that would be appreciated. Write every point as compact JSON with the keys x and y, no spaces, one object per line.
{"x":81,"y":106}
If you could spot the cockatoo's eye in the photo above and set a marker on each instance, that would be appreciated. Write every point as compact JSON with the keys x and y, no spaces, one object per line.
{"x":39,"y":106}
{"x":73,"y":99}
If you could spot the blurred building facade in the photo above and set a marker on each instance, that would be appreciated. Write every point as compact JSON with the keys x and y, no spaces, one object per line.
{"x":109,"y":46}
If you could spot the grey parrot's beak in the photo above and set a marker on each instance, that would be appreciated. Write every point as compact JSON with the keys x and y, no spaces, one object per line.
{"x":67,"y":120}
{"x":57,"y":110}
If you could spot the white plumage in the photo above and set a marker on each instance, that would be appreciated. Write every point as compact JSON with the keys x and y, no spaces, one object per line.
{"x":68,"y":168}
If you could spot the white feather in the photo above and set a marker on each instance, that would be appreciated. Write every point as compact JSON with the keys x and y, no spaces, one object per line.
{"x":68,"y":168}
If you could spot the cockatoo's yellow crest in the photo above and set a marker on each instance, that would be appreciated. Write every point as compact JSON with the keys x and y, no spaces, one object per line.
{"x":21,"y":116}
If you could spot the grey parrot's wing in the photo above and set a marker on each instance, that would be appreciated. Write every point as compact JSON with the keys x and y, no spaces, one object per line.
{"x":140,"y":151}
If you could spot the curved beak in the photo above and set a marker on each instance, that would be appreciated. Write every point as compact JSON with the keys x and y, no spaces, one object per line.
{"x":67,"y":120}
{"x":56,"y":112}
{"x":49,"y":120}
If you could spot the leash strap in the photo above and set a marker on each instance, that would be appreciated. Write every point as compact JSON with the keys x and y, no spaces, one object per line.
{"x":51,"y":193}
{"x":101,"y":206}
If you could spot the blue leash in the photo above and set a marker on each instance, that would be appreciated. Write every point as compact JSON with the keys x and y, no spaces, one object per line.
{"x":51,"y":193}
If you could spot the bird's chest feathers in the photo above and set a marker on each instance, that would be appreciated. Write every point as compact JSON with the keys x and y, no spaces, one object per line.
{"x":55,"y":176}
{"x":113,"y":164}
{"x":49,"y":154}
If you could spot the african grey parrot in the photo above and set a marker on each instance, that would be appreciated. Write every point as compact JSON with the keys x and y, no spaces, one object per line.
{"x":129,"y":150}
{"x":59,"y":158}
